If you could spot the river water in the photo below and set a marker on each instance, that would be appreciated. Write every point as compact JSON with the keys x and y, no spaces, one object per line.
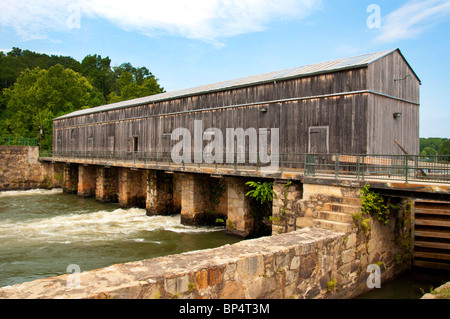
{"x":42,"y":232}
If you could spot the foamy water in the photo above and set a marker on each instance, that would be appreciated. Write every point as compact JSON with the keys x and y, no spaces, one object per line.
{"x":103,"y":225}
{"x":31,"y":192}
{"x":43,"y":231}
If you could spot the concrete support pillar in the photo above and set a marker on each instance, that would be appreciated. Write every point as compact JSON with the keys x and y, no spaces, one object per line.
{"x":159,"y":193}
{"x":52,"y":175}
{"x":203,"y":199}
{"x":286,"y":195}
{"x":86,"y":181}
{"x":70,"y":178}
{"x":177,"y":180}
{"x":239,"y":222}
{"x":132,"y":186}
{"x":189,"y":205}
{"x":106,"y":185}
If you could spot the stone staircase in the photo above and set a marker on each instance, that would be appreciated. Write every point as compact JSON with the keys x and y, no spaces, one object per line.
{"x":337,"y":214}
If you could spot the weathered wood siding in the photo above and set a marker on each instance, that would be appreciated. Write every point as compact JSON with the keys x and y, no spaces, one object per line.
{"x":358,"y":122}
{"x":152,"y":124}
{"x":389,"y":76}
{"x":383,"y":128}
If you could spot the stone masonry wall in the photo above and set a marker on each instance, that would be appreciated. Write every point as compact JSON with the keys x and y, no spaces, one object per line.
{"x":19,"y":168}
{"x":367,"y":240}
{"x":287,"y":195}
{"x":304,"y":264}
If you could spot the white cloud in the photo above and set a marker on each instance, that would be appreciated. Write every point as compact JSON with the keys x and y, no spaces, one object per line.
{"x":209,"y":20}
{"x":412,"y":19}
{"x":31,"y":19}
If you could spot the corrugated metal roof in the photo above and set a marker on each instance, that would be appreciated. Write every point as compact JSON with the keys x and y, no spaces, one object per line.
{"x":325,"y":67}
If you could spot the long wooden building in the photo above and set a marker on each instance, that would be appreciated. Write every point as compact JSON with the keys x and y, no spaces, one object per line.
{"x":356,"y":105}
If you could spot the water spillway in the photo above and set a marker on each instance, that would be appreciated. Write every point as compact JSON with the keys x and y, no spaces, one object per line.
{"x":42,"y":232}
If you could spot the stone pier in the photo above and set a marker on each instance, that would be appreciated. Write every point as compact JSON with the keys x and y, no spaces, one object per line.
{"x":106,"y":189}
{"x":240,"y":221}
{"x":70,"y":178}
{"x":132,"y":185}
{"x":87,"y":176}
{"x":286,"y":196}
{"x":52,"y":175}
{"x":191,"y":200}
{"x":159,"y":193}
{"x":203,"y":199}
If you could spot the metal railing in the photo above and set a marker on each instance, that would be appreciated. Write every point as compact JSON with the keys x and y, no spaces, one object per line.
{"x":358,"y":167}
{"x":19,"y":141}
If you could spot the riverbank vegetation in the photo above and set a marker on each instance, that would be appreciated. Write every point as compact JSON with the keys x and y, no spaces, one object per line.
{"x":434,"y":146}
{"x":36,"y":87}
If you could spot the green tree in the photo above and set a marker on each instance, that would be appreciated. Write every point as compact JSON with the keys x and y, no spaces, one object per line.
{"x":129,"y":88}
{"x":432,"y":142}
{"x":428,"y":151}
{"x":40,"y":95}
{"x":445,"y":150}
{"x":99,"y":73}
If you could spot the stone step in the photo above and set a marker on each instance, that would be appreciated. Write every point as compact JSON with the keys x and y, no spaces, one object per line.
{"x":336,"y":216}
{"x":341,"y":208}
{"x":356,"y":201}
{"x":333,"y":225}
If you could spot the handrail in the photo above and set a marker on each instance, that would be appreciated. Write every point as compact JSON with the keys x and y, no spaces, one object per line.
{"x":355,"y":166}
{"x":19,"y":141}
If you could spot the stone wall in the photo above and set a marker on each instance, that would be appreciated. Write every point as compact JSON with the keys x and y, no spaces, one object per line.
{"x":132,"y":188}
{"x":284,"y":210}
{"x":19,"y":168}
{"x":367,"y":240}
{"x":304,"y":264}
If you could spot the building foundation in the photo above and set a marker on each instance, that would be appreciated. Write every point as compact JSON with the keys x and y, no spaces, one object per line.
{"x":240,"y":221}
{"x":132,"y":188}
{"x":70,"y":178}
{"x":86,"y":180}
{"x":106,"y":185}
{"x":159,"y":193}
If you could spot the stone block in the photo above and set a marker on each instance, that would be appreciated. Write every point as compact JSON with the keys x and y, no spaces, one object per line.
{"x":308,"y":266}
{"x":177,"y":285}
{"x":201,"y":279}
{"x":215,"y":276}
{"x":250,"y":267}
{"x":232,"y":290}
{"x":302,"y":222}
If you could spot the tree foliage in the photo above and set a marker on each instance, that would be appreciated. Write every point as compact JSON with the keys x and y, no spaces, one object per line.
{"x":40,"y":95}
{"x":444,"y":149}
{"x":35,"y":88}
{"x":430,"y":146}
{"x":262,"y":192}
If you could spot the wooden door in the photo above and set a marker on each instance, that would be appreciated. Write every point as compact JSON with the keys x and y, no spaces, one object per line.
{"x":318,"y":140}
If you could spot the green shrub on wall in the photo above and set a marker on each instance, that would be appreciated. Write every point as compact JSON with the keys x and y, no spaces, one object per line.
{"x":374,"y":204}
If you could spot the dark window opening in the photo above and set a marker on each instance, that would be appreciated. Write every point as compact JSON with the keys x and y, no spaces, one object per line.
{"x":135,"y":144}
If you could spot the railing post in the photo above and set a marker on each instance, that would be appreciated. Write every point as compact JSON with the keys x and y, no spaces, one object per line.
{"x":416,"y":166}
{"x":406,"y":168}
{"x":305,"y":166}
{"x":336,"y":166}
{"x":357,"y":167}
{"x":363,"y":167}
{"x":281,"y":163}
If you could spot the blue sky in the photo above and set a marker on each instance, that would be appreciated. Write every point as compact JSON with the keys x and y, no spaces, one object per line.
{"x":196,"y":42}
